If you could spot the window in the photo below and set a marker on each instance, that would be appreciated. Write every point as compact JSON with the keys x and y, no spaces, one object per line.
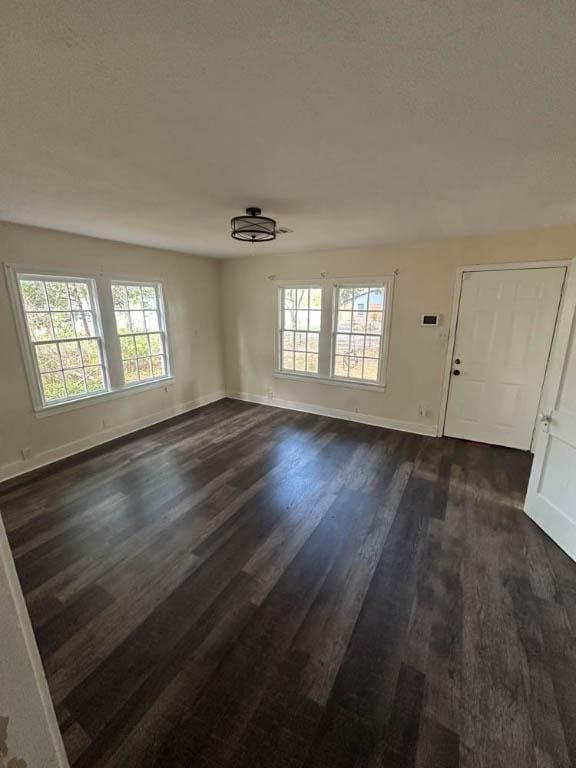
{"x":140,"y":328}
{"x":86,"y":336}
{"x":64,"y":333}
{"x":335,"y":331}
{"x":300,"y":329}
{"x":358,"y":332}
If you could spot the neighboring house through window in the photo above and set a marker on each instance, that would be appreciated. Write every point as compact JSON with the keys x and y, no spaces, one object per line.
{"x":336,"y":331}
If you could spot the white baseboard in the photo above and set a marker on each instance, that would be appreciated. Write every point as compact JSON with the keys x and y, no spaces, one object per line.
{"x":337,"y":413}
{"x":15,"y":468}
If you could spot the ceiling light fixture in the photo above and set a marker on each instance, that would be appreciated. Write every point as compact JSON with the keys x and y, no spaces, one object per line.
{"x":253,"y":227}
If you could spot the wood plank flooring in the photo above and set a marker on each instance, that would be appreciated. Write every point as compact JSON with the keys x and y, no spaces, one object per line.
{"x":250,"y":587}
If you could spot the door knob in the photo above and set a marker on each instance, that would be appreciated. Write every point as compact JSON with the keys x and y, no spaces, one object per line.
{"x":546,"y":417}
{"x":457,"y":361}
{"x":456,"y":372}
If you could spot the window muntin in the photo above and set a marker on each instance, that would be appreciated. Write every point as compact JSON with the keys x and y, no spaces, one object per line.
{"x":358,"y":332}
{"x":141,"y":331}
{"x":64,"y":333}
{"x":300,"y":324}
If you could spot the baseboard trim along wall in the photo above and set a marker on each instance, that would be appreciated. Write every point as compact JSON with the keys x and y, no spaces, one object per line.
{"x":17,"y":468}
{"x":14,"y":469}
{"x":337,"y":413}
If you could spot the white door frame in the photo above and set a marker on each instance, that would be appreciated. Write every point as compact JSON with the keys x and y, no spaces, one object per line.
{"x":460,"y":271}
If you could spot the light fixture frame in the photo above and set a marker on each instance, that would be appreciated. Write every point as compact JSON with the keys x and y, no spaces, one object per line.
{"x":252,"y":227}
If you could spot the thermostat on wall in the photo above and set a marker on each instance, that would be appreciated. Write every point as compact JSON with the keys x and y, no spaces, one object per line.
{"x":433,"y":320}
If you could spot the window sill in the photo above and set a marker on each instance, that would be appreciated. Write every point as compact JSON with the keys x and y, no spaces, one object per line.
{"x":52,"y":410}
{"x":312,"y":379}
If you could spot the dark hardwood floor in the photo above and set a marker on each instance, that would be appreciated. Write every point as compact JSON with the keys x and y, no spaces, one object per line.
{"x":253,"y":587}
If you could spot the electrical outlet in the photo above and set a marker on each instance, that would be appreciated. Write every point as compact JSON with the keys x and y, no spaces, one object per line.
{"x":270,"y":393}
{"x":26,"y":453}
{"x":425,"y":411}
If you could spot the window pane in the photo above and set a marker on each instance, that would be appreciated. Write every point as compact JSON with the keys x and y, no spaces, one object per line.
{"x":33,"y":294}
{"x":302,"y":320}
{"x":130,"y":371}
{"x":144,"y":368}
{"x":47,"y":357}
{"x":316,"y":298}
{"x":120,"y":297}
{"x":289,"y":298}
{"x":315,"y":316}
{"x":374,"y":322}
{"x":288,"y":340}
{"x":359,"y":322}
{"x":344,"y":321}
{"x":123,"y":322}
{"x":70,"y":354}
{"x":376,"y":299}
{"x":75,"y":381}
{"x":156,"y":347}
{"x":90,"y":352}
{"x":345,"y":296}
{"x":357,"y":346}
{"x":342,"y":344}
{"x":355,"y":367}
{"x":83,"y":323}
{"x":302,"y":298}
{"x":361,"y":299}
{"x":313,"y":341}
{"x":371,"y":369}
{"x":149,"y":297}
{"x":142,"y":348}
{"x":340,"y":365}
{"x":79,"y":296}
{"x":58,"y":295}
{"x":300,"y":361}
{"x":289,"y":319}
{"x":151,"y":320}
{"x":288,"y":361}
{"x":134,"y":296}
{"x":63,"y":325}
{"x":137,"y":321}
{"x":40,"y":326}
{"x":312,"y":363}
{"x":53,"y":386}
{"x":300,"y":342}
{"x":158,"y":366}
{"x":127,"y":347}
{"x":372,"y":347}
{"x":94,"y":379}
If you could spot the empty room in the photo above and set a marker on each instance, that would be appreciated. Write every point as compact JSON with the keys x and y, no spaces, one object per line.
{"x":288,"y":384}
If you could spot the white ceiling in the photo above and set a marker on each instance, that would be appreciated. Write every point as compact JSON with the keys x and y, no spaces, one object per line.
{"x":353,"y":123}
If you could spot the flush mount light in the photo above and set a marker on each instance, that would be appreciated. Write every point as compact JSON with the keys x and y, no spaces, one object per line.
{"x":253,"y":227}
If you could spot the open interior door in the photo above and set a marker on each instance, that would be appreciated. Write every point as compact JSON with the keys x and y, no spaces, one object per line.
{"x":551,"y":497}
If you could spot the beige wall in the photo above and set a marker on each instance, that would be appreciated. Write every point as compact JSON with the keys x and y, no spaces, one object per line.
{"x":425,"y":283}
{"x":191,"y":293}
{"x":197,"y":290}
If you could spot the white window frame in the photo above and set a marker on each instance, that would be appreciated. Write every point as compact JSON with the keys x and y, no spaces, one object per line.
{"x":328,"y":330}
{"x":105,"y":322}
{"x":159,"y":289}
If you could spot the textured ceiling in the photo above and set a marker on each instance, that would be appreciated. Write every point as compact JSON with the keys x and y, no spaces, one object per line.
{"x":353,"y":123}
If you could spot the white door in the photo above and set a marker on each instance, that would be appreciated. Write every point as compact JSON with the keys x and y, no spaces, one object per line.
{"x":505,"y":327}
{"x":551,"y":498}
